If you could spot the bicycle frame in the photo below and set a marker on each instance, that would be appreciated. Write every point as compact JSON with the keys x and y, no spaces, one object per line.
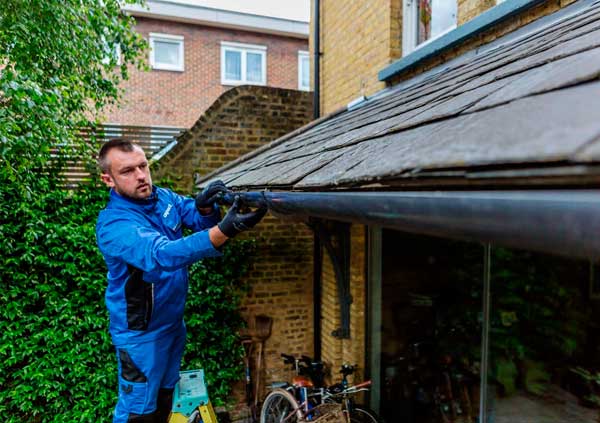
{"x":307,"y":401}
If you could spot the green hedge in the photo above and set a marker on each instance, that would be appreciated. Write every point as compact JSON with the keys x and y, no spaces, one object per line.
{"x":56,"y":359}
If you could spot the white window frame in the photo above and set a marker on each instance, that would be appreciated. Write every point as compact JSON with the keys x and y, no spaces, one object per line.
{"x":243,"y":49}
{"x":303,"y":55}
{"x":410,"y":25}
{"x":116,"y":53}
{"x":174,"y":39}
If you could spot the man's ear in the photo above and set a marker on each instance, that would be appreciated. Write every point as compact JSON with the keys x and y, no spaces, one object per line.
{"x":107,"y":179}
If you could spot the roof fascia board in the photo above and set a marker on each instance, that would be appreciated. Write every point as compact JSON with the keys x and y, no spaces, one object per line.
{"x":200,"y":15}
{"x":469,"y":29}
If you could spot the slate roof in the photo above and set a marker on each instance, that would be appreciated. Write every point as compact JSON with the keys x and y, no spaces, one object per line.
{"x":527,"y":105}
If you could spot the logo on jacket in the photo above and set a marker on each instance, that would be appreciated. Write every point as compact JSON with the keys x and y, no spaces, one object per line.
{"x":168,"y":210}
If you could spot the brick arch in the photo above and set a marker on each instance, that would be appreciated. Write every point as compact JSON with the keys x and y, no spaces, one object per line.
{"x":239,"y":121}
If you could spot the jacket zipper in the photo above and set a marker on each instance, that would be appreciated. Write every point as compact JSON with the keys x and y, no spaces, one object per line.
{"x":150,"y":306}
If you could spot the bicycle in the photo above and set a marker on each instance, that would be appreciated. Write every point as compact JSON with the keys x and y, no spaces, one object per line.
{"x":305,"y":401}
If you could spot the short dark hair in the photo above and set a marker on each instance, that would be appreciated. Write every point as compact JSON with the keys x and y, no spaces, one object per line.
{"x":118,"y":143}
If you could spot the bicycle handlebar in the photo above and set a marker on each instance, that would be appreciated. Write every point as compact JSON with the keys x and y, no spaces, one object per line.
{"x":288,"y":359}
{"x":364,"y":384}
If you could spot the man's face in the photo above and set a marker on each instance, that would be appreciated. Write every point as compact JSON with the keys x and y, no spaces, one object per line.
{"x":128,"y":173}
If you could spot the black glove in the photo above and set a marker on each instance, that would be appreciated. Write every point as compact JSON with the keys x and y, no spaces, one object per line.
{"x":235,"y":221}
{"x":210,"y":195}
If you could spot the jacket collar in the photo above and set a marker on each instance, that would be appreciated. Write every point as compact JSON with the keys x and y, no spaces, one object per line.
{"x":128,"y":202}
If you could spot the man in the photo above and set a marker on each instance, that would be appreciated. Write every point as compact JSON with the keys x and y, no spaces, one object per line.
{"x":140,"y":235}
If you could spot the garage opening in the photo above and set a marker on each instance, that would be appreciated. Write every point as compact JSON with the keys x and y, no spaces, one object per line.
{"x":425,"y":333}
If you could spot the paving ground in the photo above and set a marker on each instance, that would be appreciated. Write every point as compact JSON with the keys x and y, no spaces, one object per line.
{"x":558,"y":406}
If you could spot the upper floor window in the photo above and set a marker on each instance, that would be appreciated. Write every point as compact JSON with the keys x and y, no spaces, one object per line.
{"x":112,"y":55}
{"x":243,"y":64}
{"x":166,"y":52}
{"x":112,"y":52}
{"x":303,"y":71}
{"x":425,"y":20}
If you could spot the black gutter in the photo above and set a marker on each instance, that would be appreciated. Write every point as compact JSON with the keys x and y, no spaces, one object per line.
{"x":317,"y":61}
{"x":562,"y":222}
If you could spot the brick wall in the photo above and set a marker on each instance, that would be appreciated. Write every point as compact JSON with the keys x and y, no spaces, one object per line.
{"x":160,"y":97}
{"x":282,"y":287}
{"x":358,"y":39}
{"x":468,"y":9}
{"x":334,"y":351}
{"x":241,"y":120}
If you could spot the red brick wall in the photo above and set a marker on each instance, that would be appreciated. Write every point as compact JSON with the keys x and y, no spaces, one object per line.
{"x":239,"y":121}
{"x":171,"y":98}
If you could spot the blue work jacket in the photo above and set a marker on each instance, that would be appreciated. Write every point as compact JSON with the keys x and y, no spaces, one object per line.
{"x":147,"y":258}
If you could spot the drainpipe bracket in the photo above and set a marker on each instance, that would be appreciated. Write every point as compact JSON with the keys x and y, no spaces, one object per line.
{"x":335,"y":238}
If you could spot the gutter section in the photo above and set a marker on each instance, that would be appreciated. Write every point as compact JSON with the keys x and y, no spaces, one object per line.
{"x":560,"y":222}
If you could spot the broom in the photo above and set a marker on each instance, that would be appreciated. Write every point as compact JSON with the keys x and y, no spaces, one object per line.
{"x":261,"y":332}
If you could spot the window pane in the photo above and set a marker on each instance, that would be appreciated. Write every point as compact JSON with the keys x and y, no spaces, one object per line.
{"x":254,"y":72}
{"x":166,"y":53}
{"x":305,"y":72}
{"x":435,"y":17}
{"x":233,"y":65}
{"x":430,"y":351}
{"x":544,"y":340}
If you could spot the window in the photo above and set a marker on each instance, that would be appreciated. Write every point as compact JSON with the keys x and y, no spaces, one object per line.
{"x":166,"y":52}
{"x":112,"y":52}
{"x":243,"y":64}
{"x":303,"y":71}
{"x":112,"y":55}
{"x":425,"y":20}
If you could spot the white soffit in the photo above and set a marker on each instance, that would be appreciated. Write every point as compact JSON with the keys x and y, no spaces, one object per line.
{"x":174,"y":11}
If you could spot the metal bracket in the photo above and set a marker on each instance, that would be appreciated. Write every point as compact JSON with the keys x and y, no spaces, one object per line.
{"x":335,"y":237}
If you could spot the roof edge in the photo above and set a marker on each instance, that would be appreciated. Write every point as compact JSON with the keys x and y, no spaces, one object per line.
{"x":202,"y":15}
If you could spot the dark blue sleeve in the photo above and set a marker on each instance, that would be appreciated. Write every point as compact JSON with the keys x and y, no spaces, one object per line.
{"x":142,"y":246}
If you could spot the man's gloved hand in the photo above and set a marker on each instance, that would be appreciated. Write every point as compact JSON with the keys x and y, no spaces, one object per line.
{"x":210,"y":195}
{"x":235,"y":221}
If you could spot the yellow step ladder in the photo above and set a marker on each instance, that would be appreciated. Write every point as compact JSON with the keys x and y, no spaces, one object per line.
{"x":190,"y":399}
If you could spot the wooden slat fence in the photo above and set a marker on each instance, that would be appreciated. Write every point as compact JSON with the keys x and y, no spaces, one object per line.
{"x":151,"y":138}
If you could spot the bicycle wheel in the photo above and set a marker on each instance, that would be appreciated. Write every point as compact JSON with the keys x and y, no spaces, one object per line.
{"x":362,"y":414}
{"x":280,"y":406}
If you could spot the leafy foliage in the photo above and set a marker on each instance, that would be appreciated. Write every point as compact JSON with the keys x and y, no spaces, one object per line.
{"x":56,"y":359}
{"x":213,"y":319}
{"x":55,"y":354}
{"x":59,"y":71}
